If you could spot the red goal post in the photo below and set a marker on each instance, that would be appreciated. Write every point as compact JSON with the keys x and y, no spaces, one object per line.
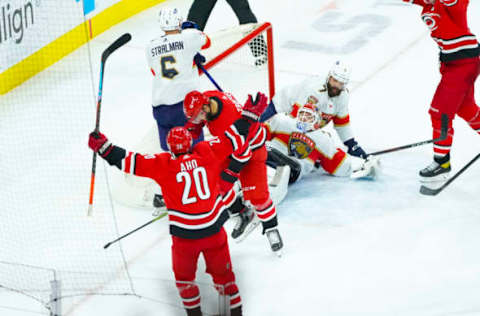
{"x":258,"y":37}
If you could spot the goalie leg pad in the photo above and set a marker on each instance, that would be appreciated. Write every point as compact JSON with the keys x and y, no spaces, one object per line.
{"x":275,"y":159}
{"x":278,"y":186}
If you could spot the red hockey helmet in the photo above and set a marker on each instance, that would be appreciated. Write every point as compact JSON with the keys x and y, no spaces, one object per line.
{"x":193,"y":103}
{"x":179,"y":140}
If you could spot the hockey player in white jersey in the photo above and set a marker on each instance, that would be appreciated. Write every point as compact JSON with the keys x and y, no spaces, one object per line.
{"x":300,"y":144}
{"x":171,"y":60}
{"x":330,"y":96}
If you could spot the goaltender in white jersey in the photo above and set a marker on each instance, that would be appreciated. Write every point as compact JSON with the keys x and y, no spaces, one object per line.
{"x":301,"y":146}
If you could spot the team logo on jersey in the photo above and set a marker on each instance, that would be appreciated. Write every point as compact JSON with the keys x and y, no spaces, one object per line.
{"x":449,"y":3}
{"x":311,"y":99}
{"x":300,"y":145}
{"x":430,"y":20}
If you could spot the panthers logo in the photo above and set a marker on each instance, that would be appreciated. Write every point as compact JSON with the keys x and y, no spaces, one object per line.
{"x":300,"y":145}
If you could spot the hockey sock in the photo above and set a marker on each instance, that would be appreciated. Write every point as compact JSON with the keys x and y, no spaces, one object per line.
{"x":441,"y":148}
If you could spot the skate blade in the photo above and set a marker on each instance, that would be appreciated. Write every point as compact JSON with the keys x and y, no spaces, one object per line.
{"x":441,"y":178}
{"x":248,"y":230}
{"x":279,"y":253}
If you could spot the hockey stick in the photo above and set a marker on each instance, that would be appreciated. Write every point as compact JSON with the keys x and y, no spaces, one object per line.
{"x":428,"y":191}
{"x":138,"y":228}
{"x":443,"y":135}
{"x":199,"y":65}
{"x":122,"y":40}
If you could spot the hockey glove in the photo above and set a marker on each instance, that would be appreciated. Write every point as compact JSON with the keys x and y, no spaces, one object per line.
{"x":354,"y":149}
{"x":199,"y":59}
{"x":189,"y":25}
{"x":195,"y":129}
{"x":254,"y":108}
{"x":99,"y":143}
{"x":227,"y":179}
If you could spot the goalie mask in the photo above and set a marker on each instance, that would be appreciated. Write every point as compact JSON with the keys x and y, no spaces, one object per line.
{"x":307,"y":118}
{"x":179,"y":140}
{"x":170,"y":19}
{"x":338,"y":77}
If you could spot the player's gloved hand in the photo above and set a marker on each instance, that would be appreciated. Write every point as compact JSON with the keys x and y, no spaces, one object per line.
{"x":227,"y":179}
{"x":354,"y":149}
{"x":254,"y":108}
{"x":99,"y":143}
{"x":199,"y":59}
{"x":195,"y":129}
{"x":189,"y":25}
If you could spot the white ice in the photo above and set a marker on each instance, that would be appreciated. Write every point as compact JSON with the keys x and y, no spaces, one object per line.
{"x":351,"y":247}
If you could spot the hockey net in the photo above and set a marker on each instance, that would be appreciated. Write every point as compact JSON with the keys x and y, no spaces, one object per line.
{"x":240,"y":60}
{"x":45,"y":235}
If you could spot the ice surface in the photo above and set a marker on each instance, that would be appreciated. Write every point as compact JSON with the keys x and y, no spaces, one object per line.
{"x":351,"y":247}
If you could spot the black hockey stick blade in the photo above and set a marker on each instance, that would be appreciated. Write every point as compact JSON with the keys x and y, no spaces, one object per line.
{"x":428,"y":191}
{"x":122,"y":40}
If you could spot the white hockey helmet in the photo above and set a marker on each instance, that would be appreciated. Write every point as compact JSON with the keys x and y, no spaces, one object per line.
{"x":170,"y":19}
{"x":340,"y":72}
{"x":307,"y":118}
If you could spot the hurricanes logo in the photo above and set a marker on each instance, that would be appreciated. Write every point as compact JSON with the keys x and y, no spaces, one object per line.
{"x":300,"y":145}
{"x":430,"y":20}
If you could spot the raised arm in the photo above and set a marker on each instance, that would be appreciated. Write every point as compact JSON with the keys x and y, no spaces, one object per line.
{"x":129,"y":162}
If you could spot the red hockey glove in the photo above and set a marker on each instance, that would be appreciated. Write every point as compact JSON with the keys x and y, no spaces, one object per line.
{"x":99,"y":143}
{"x":253,"y":109}
{"x":227,"y":179}
{"x":195,"y":129}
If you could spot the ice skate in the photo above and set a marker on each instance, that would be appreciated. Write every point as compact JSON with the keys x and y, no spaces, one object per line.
{"x":276,"y":243}
{"x":435,"y":172}
{"x":159,"y":205}
{"x":244,"y":225}
{"x":158,"y":201}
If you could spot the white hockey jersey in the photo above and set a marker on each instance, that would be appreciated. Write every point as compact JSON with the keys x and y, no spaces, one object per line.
{"x":312,"y":149}
{"x":314,"y":91}
{"x":170,"y":58}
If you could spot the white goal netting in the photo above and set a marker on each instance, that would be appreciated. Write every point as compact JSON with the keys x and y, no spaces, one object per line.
{"x":45,"y":233}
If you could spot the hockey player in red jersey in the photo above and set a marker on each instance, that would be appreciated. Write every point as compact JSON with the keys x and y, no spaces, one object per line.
{"x":220,"y":112}
{"x":459,"y":67}
{"x":196,"y":210}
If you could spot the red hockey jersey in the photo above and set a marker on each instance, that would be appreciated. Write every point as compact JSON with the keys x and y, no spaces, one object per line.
{"x":447,"y":21}
{"x":222,"y":125}
{"x":196,"y":209}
